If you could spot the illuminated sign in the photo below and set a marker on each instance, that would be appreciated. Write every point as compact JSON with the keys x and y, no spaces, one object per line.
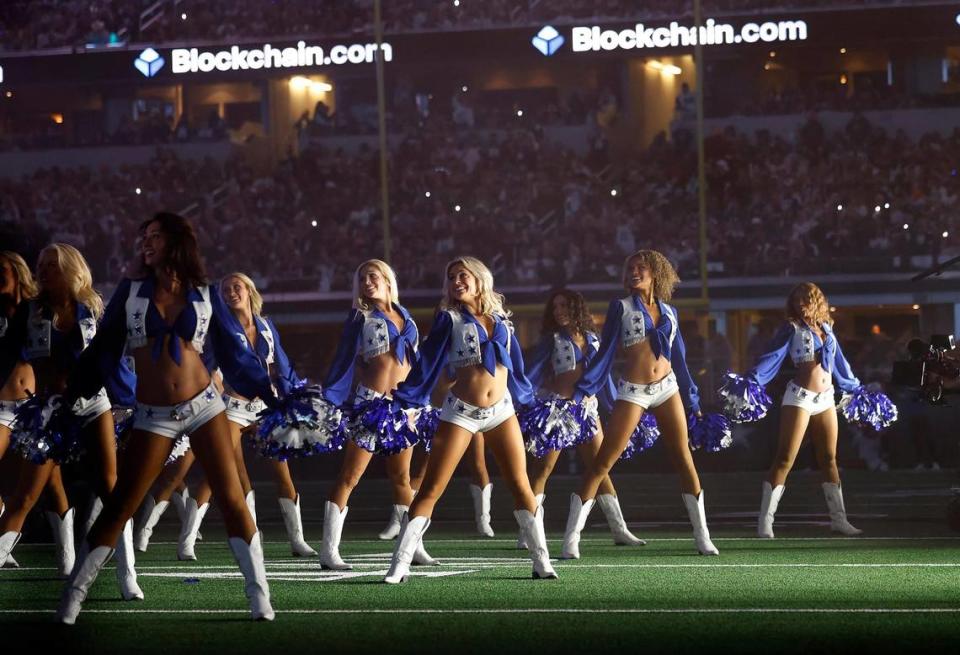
{"x":548,"y":40}
{"x":193,"y":60}
{"x":149,"y":62}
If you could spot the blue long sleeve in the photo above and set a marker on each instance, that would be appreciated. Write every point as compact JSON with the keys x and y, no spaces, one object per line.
{"x":121,"y":385}
{"x":286,"y":378}
{"x":678,"y":360}
{"x":337,"y":384}
{"x":517,"y":382}
{"x":538,"y":361}
{"x":842,"y":372}
{"x":768,"y":364}
{"x":416,"y":389}
{"x":101,"y":359}
{"x":597,"y":374}
{"x":241,"y":368}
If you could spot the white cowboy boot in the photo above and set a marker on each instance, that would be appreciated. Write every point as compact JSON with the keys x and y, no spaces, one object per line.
{"x":699,"y":521}
{"x":150,"y":516}
{"x":531,"y":526}
{"x":191,"y":526}
{"x":838,"y":512}
{"x":290,"y":510}
{"x":481,"y":508}
{"x":250,"y":558}
{"x":94,"y":509}
{"x":768,"y":509}
{"x":576,"y":520}
{"x":89,"y":563}
{"x":610,"y":505}
{"x":333,"y":518}
{"x":126,"y":574}
{"x":251,"y":505}
{"x":393,"y":524}
{"x":179,"y":502}
{"x":62,"y":529}
{"x":521,"y":539}
{"x":410,"y":538}
{"x":7,"y":541}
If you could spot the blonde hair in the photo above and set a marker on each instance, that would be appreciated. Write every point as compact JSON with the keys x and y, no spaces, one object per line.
{"x":77,"y":273}
{"x":814,"y":308}
{"x":256,"y":300}
{"x":359,"y":300}
{"x":491,"y":302}
{"x":665,"y":278}
{"x":26,"y":285}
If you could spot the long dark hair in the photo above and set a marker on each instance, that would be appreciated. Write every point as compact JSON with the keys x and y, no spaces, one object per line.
{"x":580,"y":319}
{"x":182,"y":250}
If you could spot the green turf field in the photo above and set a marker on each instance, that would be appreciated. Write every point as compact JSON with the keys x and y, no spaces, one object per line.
{"x":898,"y":588}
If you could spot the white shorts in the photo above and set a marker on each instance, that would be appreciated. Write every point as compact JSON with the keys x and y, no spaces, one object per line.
{"x":362,"y":394}
{"x":812,"y":401}
{"x":473,"y":418}
{"x":7,"y":409}
{"x":243,"y":412}
{"x":648,"y":395}
{"x":90,"y":409}
{"x":176,"y":420}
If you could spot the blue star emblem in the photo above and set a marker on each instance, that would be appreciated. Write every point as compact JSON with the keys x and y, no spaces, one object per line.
{"x":235,"y":403}
{"x":209,"y":395}
{"x":382,"y":338}
{"x":460,"y":352}
{"x":633,"y":389}
{"x":139,"y":329}
{"x":569,"y":357}
{"x":460,"y":407}
{"x":149,"y":412}
{"x":473,"y":351}
{"x":370,"y":341}
{"x":137,"y":315}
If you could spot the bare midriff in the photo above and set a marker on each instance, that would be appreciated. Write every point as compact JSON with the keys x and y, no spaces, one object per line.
{"x":20,"y":384}
{"x":811,"y":376}
{"x":476,"y":386}
{"x":164,"y":382}
{"x":382,"y":373}
{"x":564,"y":384}
{"x":642,"y":366}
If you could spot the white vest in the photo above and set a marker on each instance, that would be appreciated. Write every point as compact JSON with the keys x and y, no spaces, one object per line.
{"x":39,"y":332}
{"x":802,"y":345}
{"x":375,"y":336}
{"x":633,"y":329}
{"x":137,"y":317}
{"x":564,"y":356}
{"x":464,"y":349}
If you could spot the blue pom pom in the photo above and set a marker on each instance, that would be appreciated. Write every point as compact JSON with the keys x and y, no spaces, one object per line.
{"x":305,"y":424}
{"x":549,"y":424}
{"x":381,"y":425}
{"x":44,"y":430}
{"x":871,"y":408}
{"x":643,"y":437}
{"x":743,"y":399}
{"x":711,"y":432}
{"x":122,"y":421}
{"x":427,"y":423}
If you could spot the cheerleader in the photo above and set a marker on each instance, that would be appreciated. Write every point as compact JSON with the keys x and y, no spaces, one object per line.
{"x":378,"y":346}
{"x":568,"y":345}
{"x":53,"y":330}
{"x":16,"y":286}
{"x":655,"y":378}
{"x":241,"y":296}
{"x":473,"y":335}
{"x":808,"y":404}
{"x":167,"y":319}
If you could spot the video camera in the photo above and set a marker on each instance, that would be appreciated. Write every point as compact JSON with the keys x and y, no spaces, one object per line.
{"x":929,"y":365}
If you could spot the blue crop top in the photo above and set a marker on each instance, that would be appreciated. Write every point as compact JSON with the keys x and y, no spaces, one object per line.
{"x":628,"y":322}
{"x":458,"y":339}
{"x":220,"y":332}
{"x":367,"y":334}
{"x":803,"y":344}
{"x":269,"y":351}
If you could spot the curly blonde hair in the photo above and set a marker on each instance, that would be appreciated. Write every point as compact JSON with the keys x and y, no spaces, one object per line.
{"x":814,"y":308}
{"x":26,"y":285}
{"x":492,"y":303}
{"x":363,"y":303}
{"x":79,"y":278}
{"x":665,"y":278}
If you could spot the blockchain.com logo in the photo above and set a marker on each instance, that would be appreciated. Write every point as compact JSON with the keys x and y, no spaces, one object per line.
{"x":149,"y":62}
{"x":548,"y":40}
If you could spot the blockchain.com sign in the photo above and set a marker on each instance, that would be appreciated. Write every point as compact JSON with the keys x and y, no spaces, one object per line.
{"x":264,"y":57}
{"x":675,"y":35}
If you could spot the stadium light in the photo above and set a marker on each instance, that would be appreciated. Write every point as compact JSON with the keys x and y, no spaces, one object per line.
{"x":666,"y":69}
{"x":906,"y":226}
{"x":519,"y":113}
{"x":839,"y":208}
{"x":916,"y":306}
{"x":876,"y":209}
{"x":843,"y":51}
{"x":300,"y":83}
{"x":183,"y":16}
{"x":945,"y":234}
{"x":456,"y":3}
{"x":427,"y":194}
{"x":773,"y":53}
{"x":138,"y":191}
{"x":9,"y":94}
{"x":843,"y":78}
{"x":613,"y":192}
{"x":456,"y":208}
{"x":313,"y":222}
{"x":886,"y":205}
{"x":464,"y":88}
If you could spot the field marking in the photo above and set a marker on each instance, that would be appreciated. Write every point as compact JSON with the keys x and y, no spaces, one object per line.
{"x":531,"y":610}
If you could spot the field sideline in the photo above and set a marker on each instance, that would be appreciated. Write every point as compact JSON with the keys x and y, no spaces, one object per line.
{"x":896,"y":588}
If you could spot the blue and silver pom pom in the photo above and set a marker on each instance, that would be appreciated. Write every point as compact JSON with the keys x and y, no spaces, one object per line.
{"x":427,"y":423}
{"x":549,"y":424}
{"x":710,"y":432}
{"x":180,"y":448}
{"x":382,"y":426}
{"x":744,"y":400}
{"x":305,"y":424}
{"x":643,"y":437}
{"x":44,"y":430}
{"x":864,"y":407}
{"x":122,"y":422}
